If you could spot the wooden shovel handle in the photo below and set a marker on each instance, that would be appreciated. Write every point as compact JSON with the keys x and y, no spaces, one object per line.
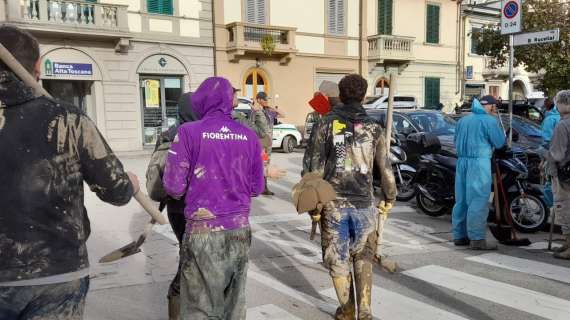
{"x":150,"y":207}
{"x":21,"y":72}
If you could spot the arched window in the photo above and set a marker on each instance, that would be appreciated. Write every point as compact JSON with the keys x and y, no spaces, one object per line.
{"x":254,"y":82}
{"x":382,"y":87}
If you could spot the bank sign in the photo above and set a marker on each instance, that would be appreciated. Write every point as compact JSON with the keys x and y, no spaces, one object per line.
{"x":68,"y":69}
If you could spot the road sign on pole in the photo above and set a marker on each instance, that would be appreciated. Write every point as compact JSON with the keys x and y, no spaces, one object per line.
{"x":511,"y":16}
{"x":541,"y":37}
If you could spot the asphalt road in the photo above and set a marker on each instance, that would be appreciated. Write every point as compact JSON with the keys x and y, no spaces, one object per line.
{"x":287,"y":281}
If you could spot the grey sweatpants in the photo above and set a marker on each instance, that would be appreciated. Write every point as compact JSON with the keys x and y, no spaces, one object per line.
{"x":214,"y":272}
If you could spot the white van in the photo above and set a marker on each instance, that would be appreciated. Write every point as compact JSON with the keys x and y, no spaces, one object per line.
{"x":400,"y":102}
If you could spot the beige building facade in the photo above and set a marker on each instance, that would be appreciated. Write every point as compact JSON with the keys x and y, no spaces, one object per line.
{"x":417,"y":41}
{"x":326,"y":39}
{"x":124,"y":62}
{"x":311,"y":43}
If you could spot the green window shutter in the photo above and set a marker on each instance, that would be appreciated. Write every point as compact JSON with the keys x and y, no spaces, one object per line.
{"x":160,"y":7}
{"x":94,"y":1}
{"x":432,"y":92}
{"x":385,"y":11}
{"x":432,"y":25}
{"x":474,"y":40}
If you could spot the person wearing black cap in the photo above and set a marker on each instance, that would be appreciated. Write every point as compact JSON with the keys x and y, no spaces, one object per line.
{"x":263,"y":118}
{"x":475,"y":138}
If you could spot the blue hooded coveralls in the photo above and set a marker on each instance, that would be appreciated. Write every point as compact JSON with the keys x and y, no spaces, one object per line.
{"x":550,"y":121}
{"x":475,"y":137}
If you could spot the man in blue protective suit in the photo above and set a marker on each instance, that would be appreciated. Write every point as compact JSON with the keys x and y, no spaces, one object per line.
{"x":551,"y":119}
{"x":475,"y":138}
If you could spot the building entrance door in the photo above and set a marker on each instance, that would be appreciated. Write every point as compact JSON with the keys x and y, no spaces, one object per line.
{"x":77,"y":93}
{"x":160,"y":96}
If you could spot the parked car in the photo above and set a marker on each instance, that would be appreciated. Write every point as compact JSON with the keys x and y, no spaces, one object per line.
{"x":520,"y":108}
{"x":285,"y":136}
{"x":400,"y":102}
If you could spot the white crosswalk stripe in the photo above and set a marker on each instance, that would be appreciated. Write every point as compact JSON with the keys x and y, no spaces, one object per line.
{"x":387,"y":304}
{"x":541,"y":269}
{"x":269,"y":312}
{"x":540,"y":246}
{"x":522,"y":299}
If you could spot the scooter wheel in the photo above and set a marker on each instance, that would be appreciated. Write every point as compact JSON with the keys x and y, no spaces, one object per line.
{"x":406,"y":191}
{"x":429,"y":207}
{"x":530,"y":214}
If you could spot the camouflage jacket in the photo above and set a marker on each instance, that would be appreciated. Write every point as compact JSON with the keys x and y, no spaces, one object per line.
{"x":344,"y":147}
{"x":48,"y":150}
{"x":260,"y":124}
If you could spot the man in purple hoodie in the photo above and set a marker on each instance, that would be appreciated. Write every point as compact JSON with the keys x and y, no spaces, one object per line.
{"x":216,"y":164}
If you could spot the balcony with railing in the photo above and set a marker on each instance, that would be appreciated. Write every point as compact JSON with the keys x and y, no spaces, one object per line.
{"x":69,"y":16}
{"x":490,"y":70}
{"x":393,"y":49}
{"x":246,"y":38}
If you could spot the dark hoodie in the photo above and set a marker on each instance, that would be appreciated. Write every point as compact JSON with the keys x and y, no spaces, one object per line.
{"x":347,"y":143}
{"x":48,"y":150}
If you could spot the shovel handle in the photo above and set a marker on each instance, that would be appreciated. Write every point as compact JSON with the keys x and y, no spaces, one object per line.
{"x":149,"y":207}
{"x":21,"y":72}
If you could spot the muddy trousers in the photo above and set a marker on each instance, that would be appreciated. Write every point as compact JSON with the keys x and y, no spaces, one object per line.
{"x":348,"y":240}
{"x":62,"y":301}
{"x":214,"y":272}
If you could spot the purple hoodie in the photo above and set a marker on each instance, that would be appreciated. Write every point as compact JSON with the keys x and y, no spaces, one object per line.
{"x":216,"y":162}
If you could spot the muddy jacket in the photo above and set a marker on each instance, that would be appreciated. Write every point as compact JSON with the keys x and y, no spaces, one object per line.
{"x":216,"y":162}
{"x":48,"y":150}
{"x":344,"y":147}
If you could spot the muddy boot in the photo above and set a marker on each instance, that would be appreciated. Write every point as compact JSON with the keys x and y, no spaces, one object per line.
{"x":174,"y":308}
{"x":345,"y":293}
{"x":363,"y":283}
{"x":267,"y":192}
{"x":482,"y":245}
{"x":566,"y":253}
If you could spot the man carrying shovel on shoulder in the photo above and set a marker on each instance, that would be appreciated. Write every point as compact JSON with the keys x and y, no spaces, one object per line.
{"x":345,"y":146}
{"x":48,"y":150}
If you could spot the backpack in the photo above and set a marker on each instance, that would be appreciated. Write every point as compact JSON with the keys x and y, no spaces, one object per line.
{"x":155,"y":171}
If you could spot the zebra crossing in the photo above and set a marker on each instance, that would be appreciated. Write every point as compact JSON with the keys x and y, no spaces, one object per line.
{"x":388,"y":304}
{"x":470,"y":281}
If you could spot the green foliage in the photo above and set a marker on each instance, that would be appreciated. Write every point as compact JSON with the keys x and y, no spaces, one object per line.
{"x":550,"y":61}
{"x":268,"y":45}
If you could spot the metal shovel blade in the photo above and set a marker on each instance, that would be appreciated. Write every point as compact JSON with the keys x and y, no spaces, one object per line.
{"x":128,"y":250}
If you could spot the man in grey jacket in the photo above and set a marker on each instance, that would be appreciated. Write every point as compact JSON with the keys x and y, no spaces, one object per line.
{"x":559,"y":156}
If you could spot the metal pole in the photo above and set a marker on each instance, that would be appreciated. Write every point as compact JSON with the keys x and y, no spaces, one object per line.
{"x":511,"y":63}
{"x":390,"y":112}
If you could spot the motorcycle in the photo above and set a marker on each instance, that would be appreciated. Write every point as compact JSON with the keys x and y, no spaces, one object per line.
{"x":435,"y":183}
{"x":403,"y":173}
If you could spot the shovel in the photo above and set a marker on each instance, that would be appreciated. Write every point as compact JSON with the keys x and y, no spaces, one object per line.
{"x":133,"y":247}
{"x":499,"y":231}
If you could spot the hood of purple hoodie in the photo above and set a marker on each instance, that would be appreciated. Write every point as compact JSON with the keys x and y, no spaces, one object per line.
{"x":214,"y":98}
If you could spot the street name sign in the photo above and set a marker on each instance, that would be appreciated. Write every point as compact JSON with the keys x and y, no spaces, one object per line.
{"x":541,"y":37}
{"x":511,"y":16}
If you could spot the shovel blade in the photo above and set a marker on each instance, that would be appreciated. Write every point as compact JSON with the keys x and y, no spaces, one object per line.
{"x":128,"y":250}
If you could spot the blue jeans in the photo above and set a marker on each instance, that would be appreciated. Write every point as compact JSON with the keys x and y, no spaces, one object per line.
{"x":473,"y":183}
{"x":348,"y":234}
{"x":62,"y":301}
